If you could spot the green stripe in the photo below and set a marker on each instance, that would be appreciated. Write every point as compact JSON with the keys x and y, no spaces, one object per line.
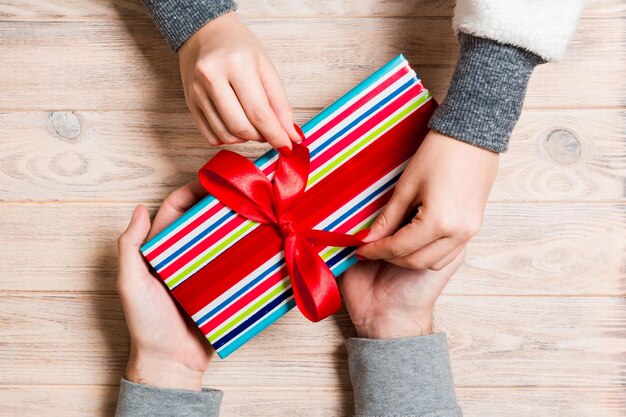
{"x":346,"y":155}
{"x":327,"y":254}
{"x":369,"y":138}
{"x":247,"y":225}
{"x":253,"y":308}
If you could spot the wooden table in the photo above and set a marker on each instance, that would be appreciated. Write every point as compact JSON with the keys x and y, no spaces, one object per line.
{"x":93,"y":121}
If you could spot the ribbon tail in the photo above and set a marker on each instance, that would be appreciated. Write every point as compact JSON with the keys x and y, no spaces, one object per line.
{"x":314,"y":286}
{"x":328,"y":238}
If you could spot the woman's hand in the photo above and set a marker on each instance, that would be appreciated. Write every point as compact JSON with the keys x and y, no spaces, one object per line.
{"x":447,"y":182}
{"x":166,"y":348}
{"x":386,"y":301}
{"x":232,"y":88}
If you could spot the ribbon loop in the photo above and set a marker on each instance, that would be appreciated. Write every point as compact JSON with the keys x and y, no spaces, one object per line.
{"x":242,"y":186}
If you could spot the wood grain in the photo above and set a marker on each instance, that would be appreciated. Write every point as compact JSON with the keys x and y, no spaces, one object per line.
{"x":494,"y":341}
{"x":79,"y":401}
{"x":555,"y":155}
{"x":119,"y":65}
{"x":93,"y":120}
{"x":522,"y":249}
{"x":111,"y":9}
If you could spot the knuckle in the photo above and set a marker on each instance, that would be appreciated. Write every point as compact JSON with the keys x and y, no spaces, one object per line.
{"x":443,"y":225}
{"x":258,"y":114}
{"x":396,"y":251}
{"x":241,"y":130}
{"x":122,"y":241}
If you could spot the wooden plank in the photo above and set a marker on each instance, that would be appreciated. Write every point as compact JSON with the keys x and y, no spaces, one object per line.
{"x":522,"y":249}
{"x":79,"y":401}
{"x":495,"y":341}
{"x":555,"y":155}
{"x":125,"y":65}
{"x":77,"y":9}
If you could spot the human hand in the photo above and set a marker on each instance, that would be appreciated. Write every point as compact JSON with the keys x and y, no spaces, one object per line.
{"x":166,"y":348}
{"x":232,"y":88}
{"x":447,"y":181}
{"x":386,"y":301}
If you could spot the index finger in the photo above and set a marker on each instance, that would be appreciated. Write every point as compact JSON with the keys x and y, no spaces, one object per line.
{"x":405,"y":241}
{"x":176,"y":204}
{"x":256,"y":105}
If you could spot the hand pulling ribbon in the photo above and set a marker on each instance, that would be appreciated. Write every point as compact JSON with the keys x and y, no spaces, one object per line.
{"x":240,"y":185}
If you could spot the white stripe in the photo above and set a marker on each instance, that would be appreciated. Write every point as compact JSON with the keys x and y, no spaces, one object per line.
{"x":232,"y":290}
{"x":263,"y":268}
{"x":209,"y":249}
{"x":188,"y":237}
{"x":248,"y":329}
{"x":316,"y":143}
{"x":232,"y":318}
{"x":334,"y":217}
{"x":365,"y":137}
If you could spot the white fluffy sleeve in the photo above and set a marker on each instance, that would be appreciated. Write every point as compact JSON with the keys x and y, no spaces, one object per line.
{"x":540,"y":26}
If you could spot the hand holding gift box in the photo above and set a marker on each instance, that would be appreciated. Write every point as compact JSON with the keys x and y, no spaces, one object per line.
{"x":245,"y":255}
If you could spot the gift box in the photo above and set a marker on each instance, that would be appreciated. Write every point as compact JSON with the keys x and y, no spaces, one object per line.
{"x":281,"y":229}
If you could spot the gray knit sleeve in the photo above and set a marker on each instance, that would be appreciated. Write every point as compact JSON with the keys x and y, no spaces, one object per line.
{"x":138,"y":400}
{"x":179,"y":19}
{"x":486,"y":93}
{"x":408,"y":377}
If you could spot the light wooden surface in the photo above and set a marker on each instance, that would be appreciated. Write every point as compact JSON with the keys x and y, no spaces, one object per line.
{"x":93,"y":121}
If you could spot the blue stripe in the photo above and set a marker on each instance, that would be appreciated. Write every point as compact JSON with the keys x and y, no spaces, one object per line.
{"x":341,"y":267}
{"x":193,"y":241}
{"x":256,"y":329}
{"x":241,"y":291}
{"x":354,"y":92}
{"x":272,"y":153}
{"x":363,"y":202}
{"x":359,"y":119}
{"x":252,"y":319}
{"x":278,"y":264}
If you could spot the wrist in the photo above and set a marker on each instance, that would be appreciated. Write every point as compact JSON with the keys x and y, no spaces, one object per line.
{"x":394,"y":326}
{"x":147,"y":369}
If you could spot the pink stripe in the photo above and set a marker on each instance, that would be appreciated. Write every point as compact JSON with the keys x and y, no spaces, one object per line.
{"x":171,"y":240}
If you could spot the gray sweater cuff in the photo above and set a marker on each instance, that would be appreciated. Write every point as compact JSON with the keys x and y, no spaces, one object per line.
{"x":179,"y":19}
{"x":409,"y":377}
{"x":486,"y":93}
{"x":138,"y":400}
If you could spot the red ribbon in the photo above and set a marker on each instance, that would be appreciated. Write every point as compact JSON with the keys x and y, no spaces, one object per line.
{"x":240,"y":185}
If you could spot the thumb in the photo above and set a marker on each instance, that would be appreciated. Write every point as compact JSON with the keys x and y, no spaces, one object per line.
{"x":131,"y":240}
{"x":390,"y":219}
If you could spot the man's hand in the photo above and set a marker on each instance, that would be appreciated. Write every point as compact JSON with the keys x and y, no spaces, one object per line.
{"x":443,"y":193}
{"x":232,"y":88}
{"x":386,"y":301}
{"x":166,"y":349}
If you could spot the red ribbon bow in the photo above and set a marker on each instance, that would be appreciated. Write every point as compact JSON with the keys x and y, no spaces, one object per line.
{"x":240,"y":185}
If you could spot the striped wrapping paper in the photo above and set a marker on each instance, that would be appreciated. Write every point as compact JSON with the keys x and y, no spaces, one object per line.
{"x":231,"y":280}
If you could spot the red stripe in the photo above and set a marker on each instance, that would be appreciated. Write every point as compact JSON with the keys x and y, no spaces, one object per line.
{"x":207,"y":242}
{"x":360,"y":131}
{"x":272,"y":167}
{"x":364,"y":169}
{"x":239,"y":305}
{"x":353,"y":136}
{"x":350,"y":110}
{"x":365,"y":212}
{"x":275,"y":278}
{"x":183,"y":232}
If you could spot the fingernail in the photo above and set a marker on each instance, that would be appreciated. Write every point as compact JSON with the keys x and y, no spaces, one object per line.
{"x":285,"y":151}
{"x":360,"y":257}
{"x":300,"y":132}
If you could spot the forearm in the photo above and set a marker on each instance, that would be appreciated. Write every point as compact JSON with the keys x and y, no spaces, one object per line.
{"x":139,"y":400}
{"x":409,"y":377}
{"x":501,"y":44}
{"x":179,"y":19}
